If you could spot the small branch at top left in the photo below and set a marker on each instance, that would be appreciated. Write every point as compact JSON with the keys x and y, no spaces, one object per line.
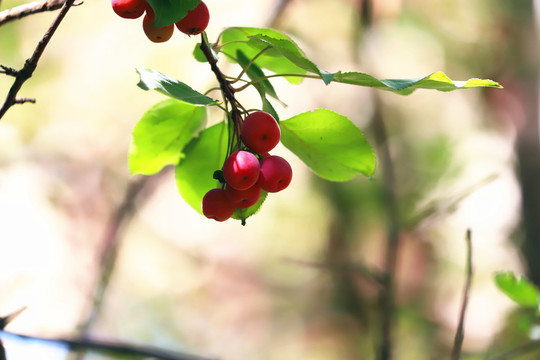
{"x":30,"y":64}
{"x":35,"y":7}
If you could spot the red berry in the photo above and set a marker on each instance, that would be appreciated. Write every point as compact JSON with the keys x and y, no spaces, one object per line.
{"x":260,"y":132}
{"x":157,"y":35}
{"x":216,"y":206}
{"x":196,"y":20}
{"x":275,"y":174}
{"x":129,"y":9}
{"x":241,"y":170}
{"x":242,"y":199}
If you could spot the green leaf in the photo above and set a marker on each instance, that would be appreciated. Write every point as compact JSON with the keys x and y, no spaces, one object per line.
{"x":203,"y":156}
{"x":263,"y":87}
{"x":243,"y":214}
{"x":170,"y":11}
{"x":288,"y":49}
{"x":521,"y":290}
{"x":329,"y":143}
{"x":154,"y":80}
{"x":254,"y":72}
{"x":198,"y":54}
{"x":437,"y":81}
{"x":161,"y":134}
{"x":238,"y":38}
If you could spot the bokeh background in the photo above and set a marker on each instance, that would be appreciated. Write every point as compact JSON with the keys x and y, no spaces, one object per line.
{"x":91,"y":250}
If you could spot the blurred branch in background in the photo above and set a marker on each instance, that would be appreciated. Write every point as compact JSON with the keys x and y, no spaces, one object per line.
{"x":30,"y":64}
{"x":138,"y":190}
{"x":278,"y":12}
{"x":112,"y":348}
{"x":387,"y":295}
{"x":460,"y":333}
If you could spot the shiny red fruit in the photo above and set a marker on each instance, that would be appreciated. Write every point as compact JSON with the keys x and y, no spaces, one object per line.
{"x":157,"y":35}
{"x":275,"y":174}
{"x":196,"y":20}
{"x":129,"y":9}
{"x":216,"y":206}
{"x":260,"y":132}
{"x":242,"y":199}
{"x":241,"y":170}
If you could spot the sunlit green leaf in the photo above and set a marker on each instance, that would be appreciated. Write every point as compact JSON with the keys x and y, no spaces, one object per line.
{"x":170,"y":11}
{"x":203,"y":156}
{"x":288,"y":49}
{"x":436,"y":81}
{"x":255,"y":73}
{"x":161,"y":134}
{"x":238,"y":38}
{"x":154,"y":80}
{"x":329,"y":143}
{"x":521,"y":290}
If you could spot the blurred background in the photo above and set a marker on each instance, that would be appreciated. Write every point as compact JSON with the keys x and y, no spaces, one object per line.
{"x":91,"y":250}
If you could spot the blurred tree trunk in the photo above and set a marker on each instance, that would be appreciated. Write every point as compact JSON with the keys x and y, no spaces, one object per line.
{"x":523,"y":65}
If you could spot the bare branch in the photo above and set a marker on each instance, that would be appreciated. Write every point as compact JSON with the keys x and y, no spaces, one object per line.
{"x":113,"y":347}
{"x":30,"y":65}
{"x":458,"y":339}
{"x":9,"y":71}
{"x":35,"y":7}
{"x":527,"y":348}
{"x":387,"y":295}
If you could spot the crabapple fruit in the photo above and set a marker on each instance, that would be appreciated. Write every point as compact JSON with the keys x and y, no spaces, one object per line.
{"x":275,"y":174}
{"x":260,"y":132}
{"x":196,"y":20}
{"x":241,"y":170}
{"x":129,"y":9}
{"x":157,"y":35}
{"x":242,"y":199}
{"x":216,"y":206}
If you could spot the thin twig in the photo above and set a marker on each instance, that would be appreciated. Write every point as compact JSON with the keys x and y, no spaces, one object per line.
{"x":110,"y":245}
{"x":30,"y":64}
{"x":18,"y":12}
{"x":113,"y":347}
{"x":278,"y":12}
{"x":5,"y":320}
{"x":458,"y":339}
{"x":387,"y":300}
{"x":524,"y":349}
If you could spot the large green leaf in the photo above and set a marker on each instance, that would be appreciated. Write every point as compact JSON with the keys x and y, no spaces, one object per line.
{"x":239,"y":38}
{"x":521,"y":290}
{"x":436,"y":81}
{"x":329,"y":143}
{"x":154,"y":80}
{"x":203,"y":156}
{"x":161,"y":134}
{"x":170,"y":11}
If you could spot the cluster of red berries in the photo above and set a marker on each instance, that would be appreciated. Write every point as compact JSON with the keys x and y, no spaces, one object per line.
{"x":247,"y":172}
{"x":195,"y":22}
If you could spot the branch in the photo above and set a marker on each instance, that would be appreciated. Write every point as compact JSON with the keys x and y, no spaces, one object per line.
{"x":458,"y":340}
{"x":110,"y":245}
{"x":524,"y":349}
{"x":30,"y":64}
{"x":112,"y":347}
{"x":387,"y":300}
{"x":35,"y":7}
